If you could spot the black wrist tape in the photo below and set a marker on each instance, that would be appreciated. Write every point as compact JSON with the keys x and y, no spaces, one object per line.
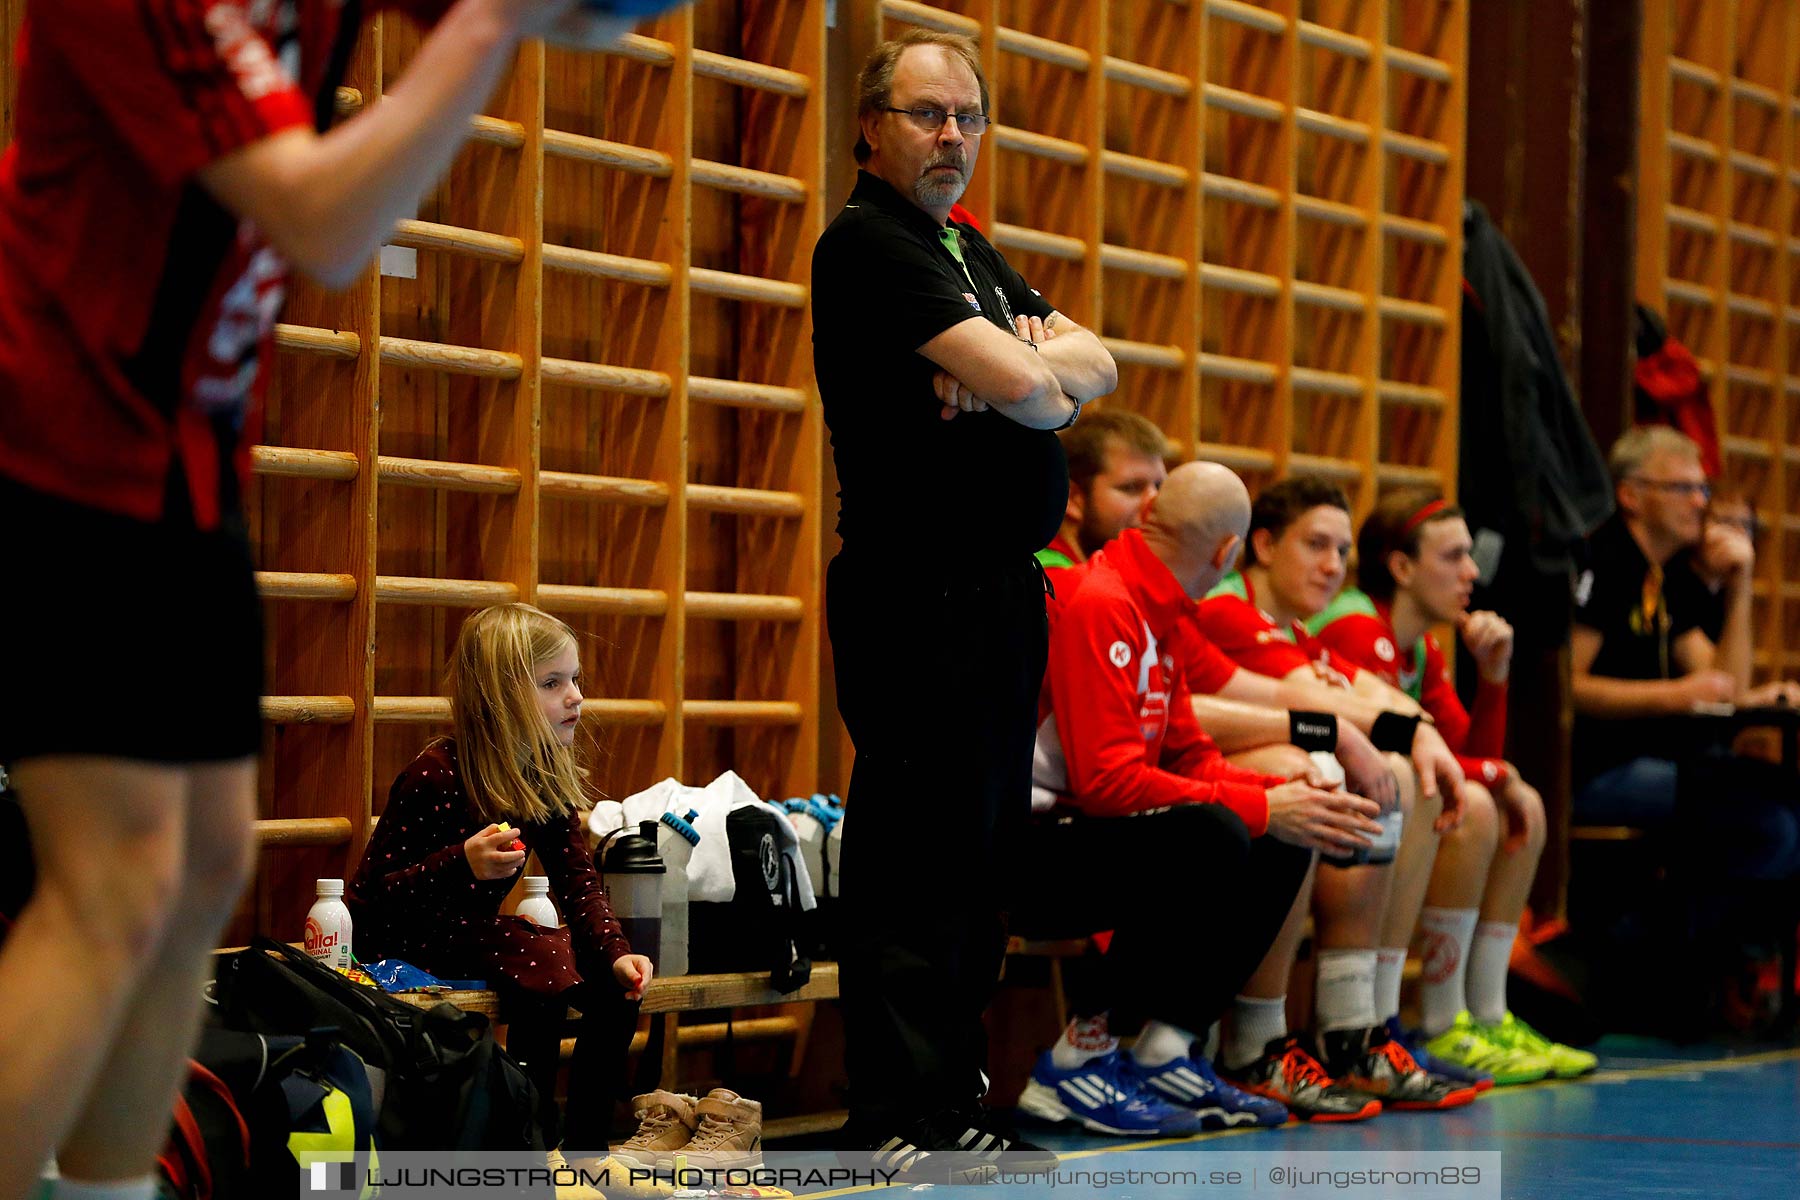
{"x":1393,"y":732}
{"x":1312,"y":730}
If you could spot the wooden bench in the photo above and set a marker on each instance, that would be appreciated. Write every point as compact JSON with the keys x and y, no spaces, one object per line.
{"x":1054,"y":952}
{"x":1606,"y":833}
{"x":669,"y":996}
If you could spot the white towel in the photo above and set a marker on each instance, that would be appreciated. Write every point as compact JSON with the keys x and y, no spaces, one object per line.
{"x":709,"y":871}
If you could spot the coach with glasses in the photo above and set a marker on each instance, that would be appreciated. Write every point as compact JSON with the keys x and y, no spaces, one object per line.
{"x":1642,"y":665}
{"x":944,"y":377}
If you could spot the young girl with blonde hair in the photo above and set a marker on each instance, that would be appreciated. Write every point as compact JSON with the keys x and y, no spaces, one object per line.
{"x":459,"y":822}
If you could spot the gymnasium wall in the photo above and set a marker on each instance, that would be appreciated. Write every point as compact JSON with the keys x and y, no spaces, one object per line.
{"x":1718,"y":252}
{"x":583,"y":378}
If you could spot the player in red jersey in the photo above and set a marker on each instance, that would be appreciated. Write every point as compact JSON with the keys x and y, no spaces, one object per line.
{"x":1416,"y":570}
{"x":1117,"y":464}
{"x":1118,"y":738}
{"x":170,"y":160}
{"x":1296,"y":559}
{"x":1116,"y":469}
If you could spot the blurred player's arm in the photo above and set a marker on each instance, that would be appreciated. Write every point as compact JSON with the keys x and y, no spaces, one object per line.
{"x":328,"y":201}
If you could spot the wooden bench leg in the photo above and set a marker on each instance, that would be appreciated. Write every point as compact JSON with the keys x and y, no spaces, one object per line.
{"x":1059,"y":997}
{"x":803,"y":1017}
{"x":671,"y":1050}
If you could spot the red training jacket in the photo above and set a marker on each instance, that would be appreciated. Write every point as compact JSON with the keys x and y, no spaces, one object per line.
{"x":1118,"y":734}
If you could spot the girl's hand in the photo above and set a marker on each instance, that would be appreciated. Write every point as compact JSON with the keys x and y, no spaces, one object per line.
{"x":491,"y":854}
{"x":634,"y":973}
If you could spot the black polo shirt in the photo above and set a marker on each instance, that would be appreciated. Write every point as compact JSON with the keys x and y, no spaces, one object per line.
{"x":883,"y":284}
{"x":1707,"y":604}
{"x":1637,"y":641}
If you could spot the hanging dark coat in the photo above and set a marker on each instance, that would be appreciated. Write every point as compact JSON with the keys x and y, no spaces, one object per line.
{"x":1530,"y":471}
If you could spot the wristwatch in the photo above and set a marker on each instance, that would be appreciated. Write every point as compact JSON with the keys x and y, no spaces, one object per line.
{"x":1073,"y":417}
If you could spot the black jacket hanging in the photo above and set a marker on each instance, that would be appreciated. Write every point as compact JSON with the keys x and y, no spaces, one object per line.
{"x":1530,"y":471}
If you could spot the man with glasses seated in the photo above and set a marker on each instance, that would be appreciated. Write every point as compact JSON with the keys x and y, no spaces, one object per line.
{"x":943,"y":374}
{"x":1643,"y":664}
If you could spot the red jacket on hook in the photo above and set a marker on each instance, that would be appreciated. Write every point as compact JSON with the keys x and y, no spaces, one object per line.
{"x":1670,"y":389}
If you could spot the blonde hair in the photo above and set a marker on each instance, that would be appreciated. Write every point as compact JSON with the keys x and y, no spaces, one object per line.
{"x":513,"y":766}
{"x":1641,"y":443}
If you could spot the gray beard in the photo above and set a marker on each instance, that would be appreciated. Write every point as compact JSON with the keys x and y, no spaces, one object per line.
{"x":929,"y":192}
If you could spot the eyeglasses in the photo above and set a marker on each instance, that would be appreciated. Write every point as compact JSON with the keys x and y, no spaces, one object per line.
{"x":932,"y":119}
{"x":1682,"y":486}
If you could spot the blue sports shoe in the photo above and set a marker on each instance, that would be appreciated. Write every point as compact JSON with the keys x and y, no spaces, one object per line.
{"x":1192,"y":1084}
{"x":1105,"y":1094}
{"x":1434,"y":1064}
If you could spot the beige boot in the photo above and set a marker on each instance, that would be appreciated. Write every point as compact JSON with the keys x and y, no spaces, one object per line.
{"x":728,"y":1136}
{"x":666,"y":1121}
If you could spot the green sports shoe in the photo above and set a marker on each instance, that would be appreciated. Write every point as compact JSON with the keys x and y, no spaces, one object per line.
{"x":1566,"y":1061}
{"x":1467,"y":1044}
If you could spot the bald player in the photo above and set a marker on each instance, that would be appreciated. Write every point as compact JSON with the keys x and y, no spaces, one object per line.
{"x":1140,"y":823}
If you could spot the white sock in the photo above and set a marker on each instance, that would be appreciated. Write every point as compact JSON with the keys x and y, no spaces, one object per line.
{"x":1206,"y":1046}
{"x":1447,"y":933}
{"x":1083,"y":1039}
{"x":116,"y":1189}
{"x":1345,"y":991}
{"x":1390,"y":965}
{"x":1487,"y":970}
{"x":1160,"y":1044}
{"x":1255,"y":1022}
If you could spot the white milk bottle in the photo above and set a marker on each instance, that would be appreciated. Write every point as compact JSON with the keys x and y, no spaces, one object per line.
{"x":536,"y":906}
{"x":328,"y":926}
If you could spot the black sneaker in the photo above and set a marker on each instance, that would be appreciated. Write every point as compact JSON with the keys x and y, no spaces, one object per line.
{"x":922,"y":1151}
{"x":1012,"y":1153}
{"x":1371,"y":1061}
{"x":954,"y":1146}
{"x":1288,"y":1074}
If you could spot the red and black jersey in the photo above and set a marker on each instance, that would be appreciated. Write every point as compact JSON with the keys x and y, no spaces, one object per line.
{"x":1361,"y":630}
{"x":1117,"y":733}
{"x":1248,"y":636}
{"x":135,"y":311}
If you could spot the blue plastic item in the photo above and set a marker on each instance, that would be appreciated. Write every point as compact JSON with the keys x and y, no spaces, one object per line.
{"x":826,"y":810}
{"x":682,"y":827}
{"x":398,"y":975}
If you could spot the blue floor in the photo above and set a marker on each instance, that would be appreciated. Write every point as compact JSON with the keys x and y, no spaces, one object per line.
{"x":1655,"y":1120}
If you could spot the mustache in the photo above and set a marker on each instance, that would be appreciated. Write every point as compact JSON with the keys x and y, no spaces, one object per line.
{"x":947,"y":159}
